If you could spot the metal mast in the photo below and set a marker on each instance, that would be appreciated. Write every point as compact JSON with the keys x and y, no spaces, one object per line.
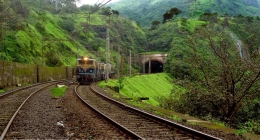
{"x":56,"y":5}
{"x":130,"y":64}
{"x":119,"y":60}
{"x":3,"y":39}
{"x":107,"y":49}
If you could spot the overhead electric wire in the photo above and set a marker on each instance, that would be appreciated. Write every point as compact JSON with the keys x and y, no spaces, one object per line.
{"x":97,"y":2}
{"x":99,"y":6}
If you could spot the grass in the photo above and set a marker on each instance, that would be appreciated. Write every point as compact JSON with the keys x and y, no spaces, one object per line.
{"x":58,"y":92}
{"x":152,"y":86}
{"x":1,"y":91}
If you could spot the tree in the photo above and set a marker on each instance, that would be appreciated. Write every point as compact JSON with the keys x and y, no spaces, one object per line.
{"x":210,"y":17}
{"x":106,"y":11}
{"x":169,"y":14}
{"x":115,"y":12}
{"x":70,"y":8}
{"x":155,"y":24}
{"x":175,"y":11}
{"x":226,"y":79}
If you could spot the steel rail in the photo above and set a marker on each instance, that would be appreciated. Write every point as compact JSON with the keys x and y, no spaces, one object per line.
{"x":15,"y":114}
{"x":12,"y":91}
{"x":26,"y":87}
{"x":134,"y":135}
{"x":179,"y":126}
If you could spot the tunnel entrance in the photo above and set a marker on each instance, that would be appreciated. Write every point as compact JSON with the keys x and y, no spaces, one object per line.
{"x":156,"y":67}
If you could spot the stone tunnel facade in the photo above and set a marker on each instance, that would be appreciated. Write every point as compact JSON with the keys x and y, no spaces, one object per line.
{"x":148,"y":60}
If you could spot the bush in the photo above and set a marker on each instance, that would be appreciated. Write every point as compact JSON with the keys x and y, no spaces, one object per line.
{"x":67,"y":24}
{"x":40,"y":27}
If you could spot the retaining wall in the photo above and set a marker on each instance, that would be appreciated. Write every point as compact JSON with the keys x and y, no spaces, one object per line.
{"x":12,"y":73}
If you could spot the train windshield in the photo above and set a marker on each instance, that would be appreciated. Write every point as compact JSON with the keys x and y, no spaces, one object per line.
{"x":81,"y":62}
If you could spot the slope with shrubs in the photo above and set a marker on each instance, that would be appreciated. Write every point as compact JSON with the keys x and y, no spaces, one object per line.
{"x":41,"y":34}
{"x":153,"y":86}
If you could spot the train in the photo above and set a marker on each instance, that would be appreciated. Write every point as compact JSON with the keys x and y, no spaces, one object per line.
{"x":89,"y":70}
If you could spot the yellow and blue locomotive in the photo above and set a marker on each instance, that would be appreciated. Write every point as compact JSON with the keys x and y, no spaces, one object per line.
{"x":88,"y":70}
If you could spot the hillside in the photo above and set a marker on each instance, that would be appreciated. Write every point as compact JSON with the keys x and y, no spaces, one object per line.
{"x":42,"y":35}
{"x":154,"y":86}
{"x":146,"y":11}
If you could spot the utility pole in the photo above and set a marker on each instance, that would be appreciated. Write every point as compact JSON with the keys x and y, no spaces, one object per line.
{"x":3,"y":40}
{"x":3,"y":50}
{"x":107,"y":49}
{"x":43,"y":61}
{"x":130,"y":63}
{"x":121,"y":65}
{"x":56,"y":5}
{"x":118,"y":65}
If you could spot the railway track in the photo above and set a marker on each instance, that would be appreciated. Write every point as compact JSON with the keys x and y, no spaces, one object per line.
{"x":140,"y":124}
{"x":86,"y":123}
{"x":11,"y":102}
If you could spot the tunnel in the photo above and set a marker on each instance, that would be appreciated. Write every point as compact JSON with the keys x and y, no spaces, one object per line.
{"x":156,"y":67}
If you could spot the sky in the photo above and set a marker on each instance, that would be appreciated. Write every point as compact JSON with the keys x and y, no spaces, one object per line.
{"x":91,"y":2}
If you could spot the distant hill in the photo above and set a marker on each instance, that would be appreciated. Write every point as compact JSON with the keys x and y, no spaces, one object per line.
{"x":146,"y":11}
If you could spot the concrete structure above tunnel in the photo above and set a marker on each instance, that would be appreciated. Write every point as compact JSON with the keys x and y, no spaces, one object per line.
{"x":150,"y":62}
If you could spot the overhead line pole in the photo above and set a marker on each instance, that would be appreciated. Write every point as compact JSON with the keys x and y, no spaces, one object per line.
{"x":119,"y":60}
{"x":130,"y":63}
{"x":3,"y":38}
{"x":56,"y":5}
{"x":107,"y":49}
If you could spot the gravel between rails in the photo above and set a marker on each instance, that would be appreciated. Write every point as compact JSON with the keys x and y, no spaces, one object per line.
{"x":38,"y":119}
{"x":11,"y":102}
{"x":84,"y":124}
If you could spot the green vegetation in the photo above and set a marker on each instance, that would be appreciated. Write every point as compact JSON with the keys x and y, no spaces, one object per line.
{"x":1,"y":91}
{"x":42,"y":35}
{"x":212,"y":77}
{"x":147,"y":11}
{"x":217,"y":76}
{"x":58,"y":91}
{"x":153,"y":86}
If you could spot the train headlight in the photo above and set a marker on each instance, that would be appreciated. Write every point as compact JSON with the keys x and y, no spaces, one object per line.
{"x":85,"y":58}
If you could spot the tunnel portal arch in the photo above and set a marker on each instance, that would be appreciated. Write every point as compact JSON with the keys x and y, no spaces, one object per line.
{"x":153,"y":63}
{"x":156,"y":66}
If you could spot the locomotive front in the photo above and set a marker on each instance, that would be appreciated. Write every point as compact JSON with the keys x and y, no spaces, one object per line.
{"x":86,"y":70}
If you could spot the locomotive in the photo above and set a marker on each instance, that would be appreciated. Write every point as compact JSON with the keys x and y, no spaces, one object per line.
{"x":89,"y":70}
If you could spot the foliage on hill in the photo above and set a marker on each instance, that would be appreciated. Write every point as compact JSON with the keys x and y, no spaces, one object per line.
{"x":226,"y":7}
{"x":220,"y":73}
{"x":147,"y":11}
{"x":154,"y":86}
{"x":42,"y":34}
{"x":171,"y":33}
